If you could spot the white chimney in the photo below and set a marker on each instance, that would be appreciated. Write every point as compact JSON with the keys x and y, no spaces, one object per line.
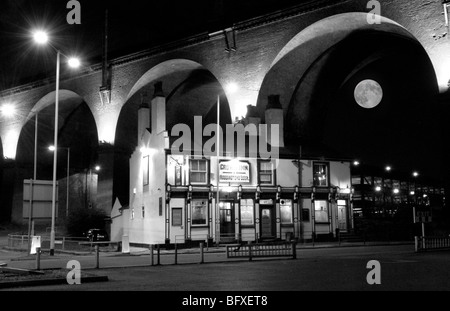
{"x":158,"y":110}
{"x":252,"y":116}
{"x":143,"y":116}
{"x":274,"y":115}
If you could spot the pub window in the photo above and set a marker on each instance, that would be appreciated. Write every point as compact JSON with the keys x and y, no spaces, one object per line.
{"x":177,"y":214}
{"x":321,"y":211}
{"x":247,"y":212}
{"x":199,"y":212}
{"x":198,"y":172}
{"x":145,"y":166}
{"x":266,"y":173}
{"x":320,"y":174}
{"x":286,"y":211}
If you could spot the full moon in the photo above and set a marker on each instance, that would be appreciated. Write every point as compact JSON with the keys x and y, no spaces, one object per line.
{"x":368,"y":93}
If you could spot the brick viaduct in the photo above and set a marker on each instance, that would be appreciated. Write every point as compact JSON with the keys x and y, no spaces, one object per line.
{"x":296,"y":44}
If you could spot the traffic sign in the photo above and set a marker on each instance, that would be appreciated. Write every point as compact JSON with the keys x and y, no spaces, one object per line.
{"x":422,"y":214}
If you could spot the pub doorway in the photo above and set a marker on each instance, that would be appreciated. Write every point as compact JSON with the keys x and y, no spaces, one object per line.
{"x":227,"y":227}
{"x":267,"y":226}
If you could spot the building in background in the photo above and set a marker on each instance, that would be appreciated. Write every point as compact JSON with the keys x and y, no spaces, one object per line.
{"x":384,"y":200}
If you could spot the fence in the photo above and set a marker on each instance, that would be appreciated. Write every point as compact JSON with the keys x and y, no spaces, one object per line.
{"x":283,"y":249}
{"x":20,"y":242}
{"x":431,"y":243}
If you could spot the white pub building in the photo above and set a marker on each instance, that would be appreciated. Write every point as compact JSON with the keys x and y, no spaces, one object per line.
{"x":181,"y":197}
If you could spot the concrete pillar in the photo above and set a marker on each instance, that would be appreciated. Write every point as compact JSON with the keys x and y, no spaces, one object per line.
{"x":104,"y":199}
{"x":7,"y":188}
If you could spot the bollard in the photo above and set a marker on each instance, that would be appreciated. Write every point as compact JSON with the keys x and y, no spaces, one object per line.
{"x":38,"y":258}
{"x":416,"y":244}
{"x":176,"y":253}
{"x":250,"y":252}
{"x":97,"y":260}
{"x":294,"y":250}
{"x":201,"y":253}
{"x":151,"y":254}
{"x":158,"y":255}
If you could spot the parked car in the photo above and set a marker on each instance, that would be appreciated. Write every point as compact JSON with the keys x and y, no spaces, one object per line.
{"x":97,"y":235}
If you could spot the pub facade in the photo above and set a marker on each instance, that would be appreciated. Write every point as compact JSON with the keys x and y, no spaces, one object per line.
{"x":182,"y":197}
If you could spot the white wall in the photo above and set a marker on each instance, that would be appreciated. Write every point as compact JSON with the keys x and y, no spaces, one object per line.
{"x":150,"y":227}
{"x":287,"y":174}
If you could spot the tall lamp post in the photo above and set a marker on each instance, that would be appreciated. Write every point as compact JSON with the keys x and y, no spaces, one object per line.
{"x":41,"y":37}
{"x":218,"y":172}
{"x":52,"y":148}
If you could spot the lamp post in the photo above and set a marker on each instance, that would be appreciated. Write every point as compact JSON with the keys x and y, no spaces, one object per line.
{"x":52,"y":148}
{"x":41,"y":37}
{"x":218,"y":171}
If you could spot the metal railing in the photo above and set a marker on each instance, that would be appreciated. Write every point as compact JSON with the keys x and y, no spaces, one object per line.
{"x":20,"y":242}
{"x":273,"y":249}
{"x":431,"y":243}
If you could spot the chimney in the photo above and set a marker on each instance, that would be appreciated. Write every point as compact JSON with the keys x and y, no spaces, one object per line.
{"x":143,"y":116}
{"x":252,"y":116}
{"x":158,"y":110}
{"x":274,"y":115}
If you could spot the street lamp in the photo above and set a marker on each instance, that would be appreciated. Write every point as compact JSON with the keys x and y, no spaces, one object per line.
{"x":8,"y":110}
{"x":52,"y":148}
{"x":41,"y":37}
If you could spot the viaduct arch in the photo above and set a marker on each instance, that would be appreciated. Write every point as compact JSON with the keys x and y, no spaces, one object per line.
{"x":321,"y":35}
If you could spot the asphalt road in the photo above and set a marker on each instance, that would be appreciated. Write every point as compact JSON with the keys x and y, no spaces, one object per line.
{"x":324,"y":269}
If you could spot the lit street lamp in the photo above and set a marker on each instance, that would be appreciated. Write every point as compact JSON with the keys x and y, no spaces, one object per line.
{"x":41,"y":37}
{"x":8,"y":110}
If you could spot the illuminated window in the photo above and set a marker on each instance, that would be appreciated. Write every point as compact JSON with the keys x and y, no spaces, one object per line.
{"x":247,"y":216}
{"x":199,"y":212}
{"x":199,"y":172}
{"x":321,"y":211}
{"x":266,"y":173}
{"x":286,"y":211}
{"x":320,"y":174}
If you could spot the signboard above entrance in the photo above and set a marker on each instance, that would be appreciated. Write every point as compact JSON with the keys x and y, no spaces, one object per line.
{"x":234,"y":171}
